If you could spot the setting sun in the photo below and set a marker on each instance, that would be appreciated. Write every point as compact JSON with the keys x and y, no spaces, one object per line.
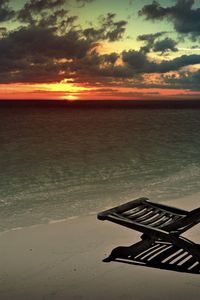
{"x":70,"y":97}
{"x":66,"y":86}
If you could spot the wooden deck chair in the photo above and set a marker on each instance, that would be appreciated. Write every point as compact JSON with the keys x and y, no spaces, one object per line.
{"x":152,"y":219}
{"x":161,"y":226}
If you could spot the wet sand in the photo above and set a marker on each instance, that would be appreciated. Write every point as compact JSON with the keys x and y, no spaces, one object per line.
{"x":64,"y":261}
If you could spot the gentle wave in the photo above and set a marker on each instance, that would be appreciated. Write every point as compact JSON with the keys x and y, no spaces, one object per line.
{"x":59,"y":164}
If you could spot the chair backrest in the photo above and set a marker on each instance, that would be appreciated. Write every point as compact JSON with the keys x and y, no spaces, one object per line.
{"x":151,"y":218}
{"x":153,"y":215}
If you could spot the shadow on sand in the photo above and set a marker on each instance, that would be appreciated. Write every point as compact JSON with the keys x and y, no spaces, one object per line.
{"x":158,"y":254}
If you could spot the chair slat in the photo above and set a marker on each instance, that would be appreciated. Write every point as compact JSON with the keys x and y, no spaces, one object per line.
{"x":134,"y":210}
{"x":144,"y":217}
{"x":138,"y":214}
{"x":153,"y":220}
{"x":161,"y":221}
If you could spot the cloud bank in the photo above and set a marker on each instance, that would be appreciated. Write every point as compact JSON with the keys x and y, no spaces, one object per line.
{"x":49,"y":45}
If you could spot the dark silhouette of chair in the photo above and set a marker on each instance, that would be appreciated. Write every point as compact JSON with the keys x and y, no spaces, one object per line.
{"x":159,"y":254}
{"x":162,"y":245}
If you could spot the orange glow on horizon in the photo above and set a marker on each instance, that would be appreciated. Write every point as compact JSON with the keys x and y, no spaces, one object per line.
{"x":68,"y":90}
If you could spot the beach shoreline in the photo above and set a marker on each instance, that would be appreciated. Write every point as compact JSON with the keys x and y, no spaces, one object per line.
{"x":63,"y":260}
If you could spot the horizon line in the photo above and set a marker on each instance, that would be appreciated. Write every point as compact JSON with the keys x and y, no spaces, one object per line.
{"x":143,"y":103}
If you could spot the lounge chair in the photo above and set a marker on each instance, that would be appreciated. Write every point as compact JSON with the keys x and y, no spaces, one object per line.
{"x":161,"y":226}
{"x":152,"y":218}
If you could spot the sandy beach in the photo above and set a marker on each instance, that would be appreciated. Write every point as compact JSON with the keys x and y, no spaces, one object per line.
{"x":63,"y":260}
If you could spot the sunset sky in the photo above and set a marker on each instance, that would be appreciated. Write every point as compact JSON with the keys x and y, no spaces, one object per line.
{"x":99,"y":49}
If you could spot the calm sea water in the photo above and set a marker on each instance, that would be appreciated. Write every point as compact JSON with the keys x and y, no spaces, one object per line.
{"x":57,"y":163}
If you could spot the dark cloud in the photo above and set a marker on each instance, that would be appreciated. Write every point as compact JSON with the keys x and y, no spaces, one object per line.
{"x":96,"y":68}
{"x":116,"y":28}
{"x":185,"y":18}
{"x":50,"y":46}
{"x":39,"y":8}
{"x":60,"y":21}
{"x":37,"y":51}
{"x":177,"y":63}
{"x":165,"y":45}
{"x":24,"y":72}
{"x":185,"y":80}
{"x":36,"y":13}
{"x":140,"y":63}
{"x":154,"y":11}
{"x":33,"y":41}
{"x":34,"y":7}
{"x":135,"y":59}
{"x":150,"y":38}
{"x":136,"y":63}
{"x":111,"y":58}
{"x":38,"y":5}
{"x":6,"y":13}
{"x":154,"y":43}
{"x":36,"y":54}
{"x":109,"y":29}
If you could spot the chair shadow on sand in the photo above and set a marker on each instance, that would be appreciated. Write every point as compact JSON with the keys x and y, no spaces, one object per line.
{"x":159,"y":255}
{"x":162,"y":245}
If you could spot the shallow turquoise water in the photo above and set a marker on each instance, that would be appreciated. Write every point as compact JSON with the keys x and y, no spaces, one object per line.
{"x":57,"y":162}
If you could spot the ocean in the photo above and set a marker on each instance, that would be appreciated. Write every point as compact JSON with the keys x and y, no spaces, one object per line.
{"x":58,"y":163}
